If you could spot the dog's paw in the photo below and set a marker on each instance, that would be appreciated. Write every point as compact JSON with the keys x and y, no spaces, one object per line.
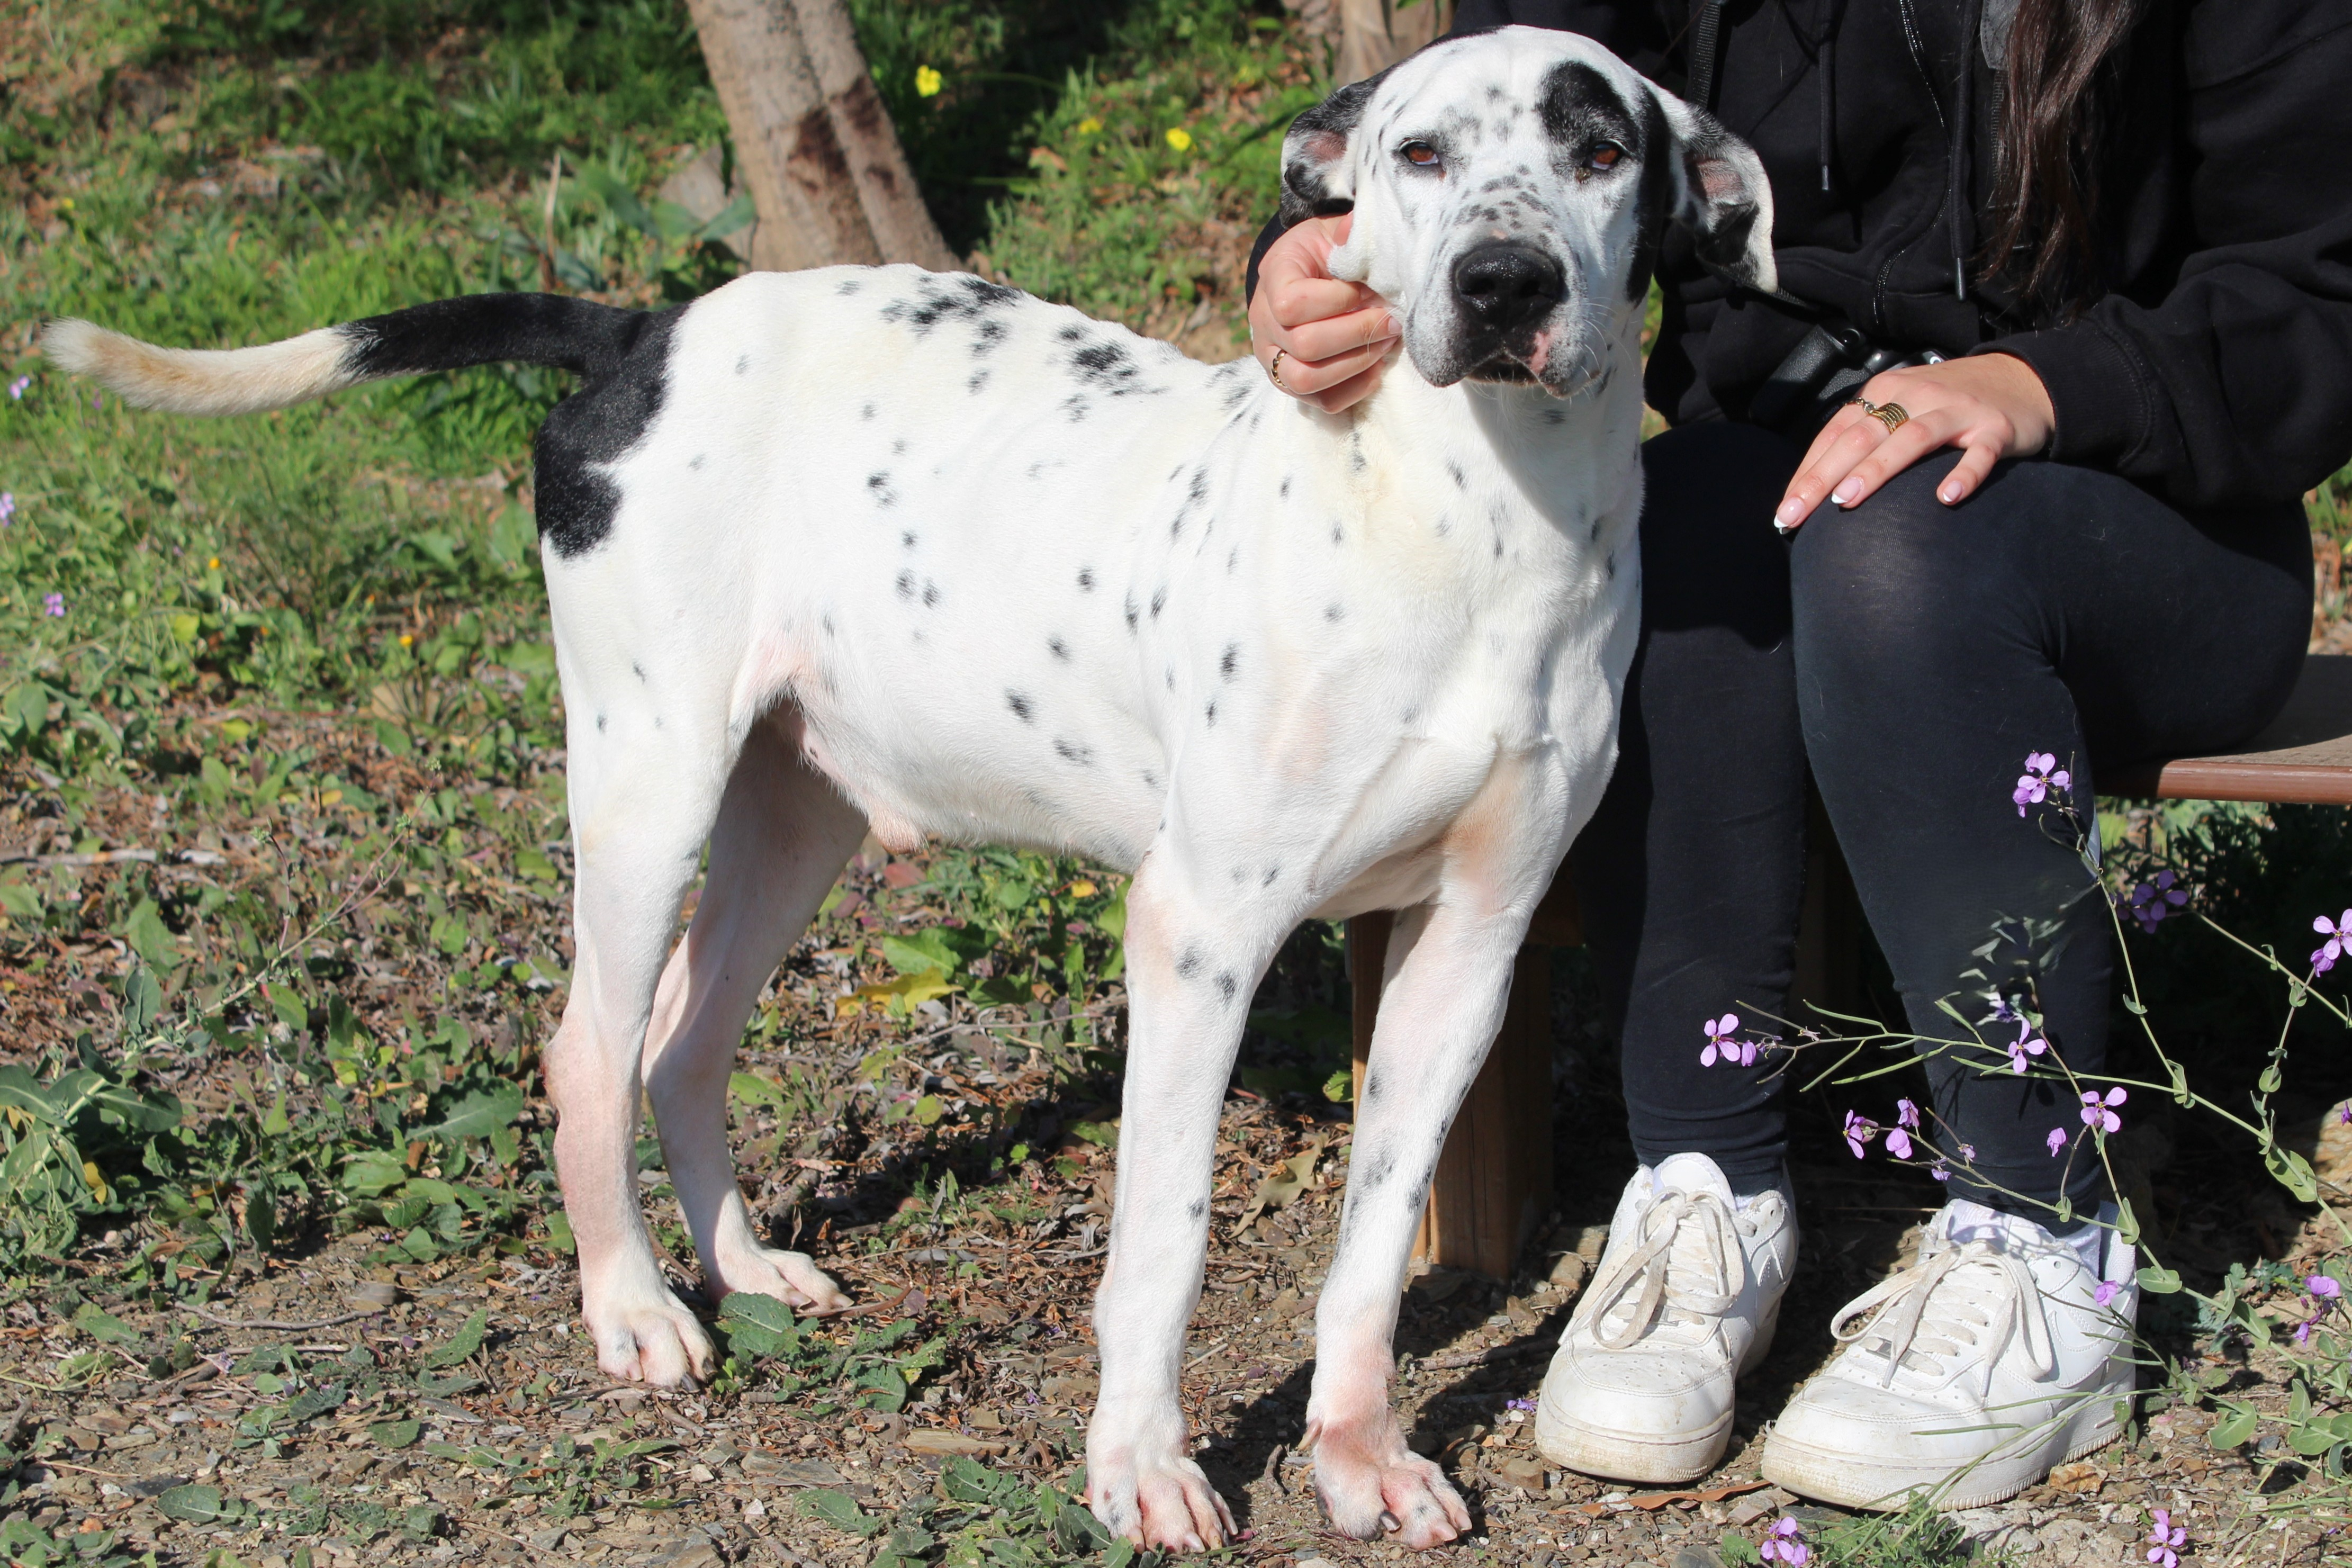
{"x":1373,"y":1486}
{"x":653,"y":1341}
{"x":791,"y":1278}
{"x":1168,"y":1506}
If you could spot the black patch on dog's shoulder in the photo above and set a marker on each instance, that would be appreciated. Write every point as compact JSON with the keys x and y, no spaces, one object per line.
{"x":1227,"y":984}
{"x":878,"y":484}
{"x":1158,"y":601}
{"x":908,"y":539}
{"x":1058,"y":649}
{"x":848,"y":285}
{"x":1188,"y":964}
{"x":1087,"y":578}
{"x":1075,"y":755}
{"x":1333,"y":611}
{"x":1461,"y":480}
{"x":931,"y":593}
{"x":978,"y":380}
{"x":865,"y":412}
{"x":628,"y":380}
{"x":1020,"y":706}
{"x":1230,"y":663}
{"x":1133,"y":612}
{"x":743,"y":363}
{"x":1197,"y":1209}
{"x":906,"y":586}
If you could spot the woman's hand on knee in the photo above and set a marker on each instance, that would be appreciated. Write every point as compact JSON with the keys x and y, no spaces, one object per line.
{"x":1333,"y":337}
{"x":1989,"y":406}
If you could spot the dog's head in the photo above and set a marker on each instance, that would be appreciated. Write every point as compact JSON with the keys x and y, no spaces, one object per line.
{"x":1508,"y":190}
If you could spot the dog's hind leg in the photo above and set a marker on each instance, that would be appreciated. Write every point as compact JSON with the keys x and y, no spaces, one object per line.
{"x":1192,"y":963}
{"x":784,"y":833}
{"x":643,"y":800}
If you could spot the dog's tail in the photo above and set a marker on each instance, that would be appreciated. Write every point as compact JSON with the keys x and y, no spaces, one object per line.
{"x":447,"y":334}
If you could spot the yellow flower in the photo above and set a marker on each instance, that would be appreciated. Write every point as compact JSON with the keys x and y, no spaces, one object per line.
{"x":927,"y":83}
{"x":405,"y":640}
{"x":212,"y":563}
{"x":1179,"y":139}
{"x":1082,"y":890}
{"x":1089,"y":126}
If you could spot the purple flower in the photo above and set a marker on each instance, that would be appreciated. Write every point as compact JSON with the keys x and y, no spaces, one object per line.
{"x":2338,"y":933}
{"x":1858,"y":1131}
{"x":2042,"y":776}
{"x":2325,"y":1289}
{"x":2302,"y":1335}
{"x":1898,"y":1142}
{"x":1522,"y":1404}
{"x":53,"y":604}
{"x":1786,"y":1544}
{"x":7,"y":507}
{"x":2166,"y":1539}
{"x":2056,"y":1140}
{"x":2027,"y":1044}
{"x":2106,"y":1291}
{"x":1719,"y":1043}
{"x":1906,"y":1115}
{"x":17,"y":388}
{"x":2151,"y":902}
{"x":2099,"y":1114}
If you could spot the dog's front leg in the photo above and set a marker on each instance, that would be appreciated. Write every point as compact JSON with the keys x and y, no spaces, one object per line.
{"x":1449,"y":980}
{"x":1191,"y":970}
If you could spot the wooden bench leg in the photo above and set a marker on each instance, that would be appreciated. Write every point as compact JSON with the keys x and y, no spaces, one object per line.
{"x":1494,"y":1181}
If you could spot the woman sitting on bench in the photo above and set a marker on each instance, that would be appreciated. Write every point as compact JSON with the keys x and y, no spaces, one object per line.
{"x":2079,"y":265}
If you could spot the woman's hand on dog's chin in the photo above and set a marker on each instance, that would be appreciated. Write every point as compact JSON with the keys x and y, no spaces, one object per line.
{"x":1335,"y":337}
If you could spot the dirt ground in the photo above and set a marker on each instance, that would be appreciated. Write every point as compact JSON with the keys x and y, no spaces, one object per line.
{"x":1012,"y":1392}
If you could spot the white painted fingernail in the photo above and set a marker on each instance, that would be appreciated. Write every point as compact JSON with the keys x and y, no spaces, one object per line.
{"x":1949,"y":494}
{"x":1847,"y":493}
{"x":1791,"y":510}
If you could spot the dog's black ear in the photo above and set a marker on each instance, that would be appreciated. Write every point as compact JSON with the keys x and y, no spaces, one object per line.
{"x":1718,"y":192}
{"x":1318,"y":180}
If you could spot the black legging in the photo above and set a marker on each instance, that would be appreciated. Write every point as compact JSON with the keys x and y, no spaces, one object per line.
{"x":1913,"y":654}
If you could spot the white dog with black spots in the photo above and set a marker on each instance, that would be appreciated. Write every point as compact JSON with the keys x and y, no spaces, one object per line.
{"x":881,"y":549}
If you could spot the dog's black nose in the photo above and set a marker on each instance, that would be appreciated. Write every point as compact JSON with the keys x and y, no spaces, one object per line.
{"x":1502,"y":285}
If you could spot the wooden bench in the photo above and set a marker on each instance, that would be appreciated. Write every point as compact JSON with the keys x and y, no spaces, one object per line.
{"x":1494,"y":1183}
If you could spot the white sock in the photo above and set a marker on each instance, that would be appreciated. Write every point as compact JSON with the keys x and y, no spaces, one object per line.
{"x":1965,"y":1220}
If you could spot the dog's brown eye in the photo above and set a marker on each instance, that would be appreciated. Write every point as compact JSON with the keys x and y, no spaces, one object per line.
{"x":1420,"y":154}
{"x":1605,"y":156}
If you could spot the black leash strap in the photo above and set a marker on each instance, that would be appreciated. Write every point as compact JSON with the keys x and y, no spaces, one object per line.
{"x":1707,"y":43}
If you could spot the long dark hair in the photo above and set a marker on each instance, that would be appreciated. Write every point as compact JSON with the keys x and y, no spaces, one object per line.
{"x":2061,"y":102}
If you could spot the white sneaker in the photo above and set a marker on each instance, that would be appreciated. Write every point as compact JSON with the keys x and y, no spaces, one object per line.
{"x":1684,"y":1301}
{"x":1989,"y":1361}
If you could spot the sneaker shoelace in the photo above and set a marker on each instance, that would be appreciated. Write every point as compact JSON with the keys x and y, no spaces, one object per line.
{"x":1646,"y":1272}
{"x":1956,"y":1299}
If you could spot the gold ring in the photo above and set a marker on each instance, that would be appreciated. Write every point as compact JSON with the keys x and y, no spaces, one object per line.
{"x":1891,"y":415}
{"x":1274,"y":371}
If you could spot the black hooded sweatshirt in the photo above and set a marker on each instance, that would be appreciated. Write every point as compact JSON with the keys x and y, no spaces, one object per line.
{"x":2217,"y":368}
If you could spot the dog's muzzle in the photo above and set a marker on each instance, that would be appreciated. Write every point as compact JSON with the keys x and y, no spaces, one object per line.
{"x":1506,"y":292}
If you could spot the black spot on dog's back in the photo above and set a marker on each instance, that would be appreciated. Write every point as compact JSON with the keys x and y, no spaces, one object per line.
{"x":594,"y":427}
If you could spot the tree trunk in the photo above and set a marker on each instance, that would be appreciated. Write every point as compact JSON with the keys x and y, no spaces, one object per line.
{"x":812,"y":142}
{"x":1376,"y":34}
